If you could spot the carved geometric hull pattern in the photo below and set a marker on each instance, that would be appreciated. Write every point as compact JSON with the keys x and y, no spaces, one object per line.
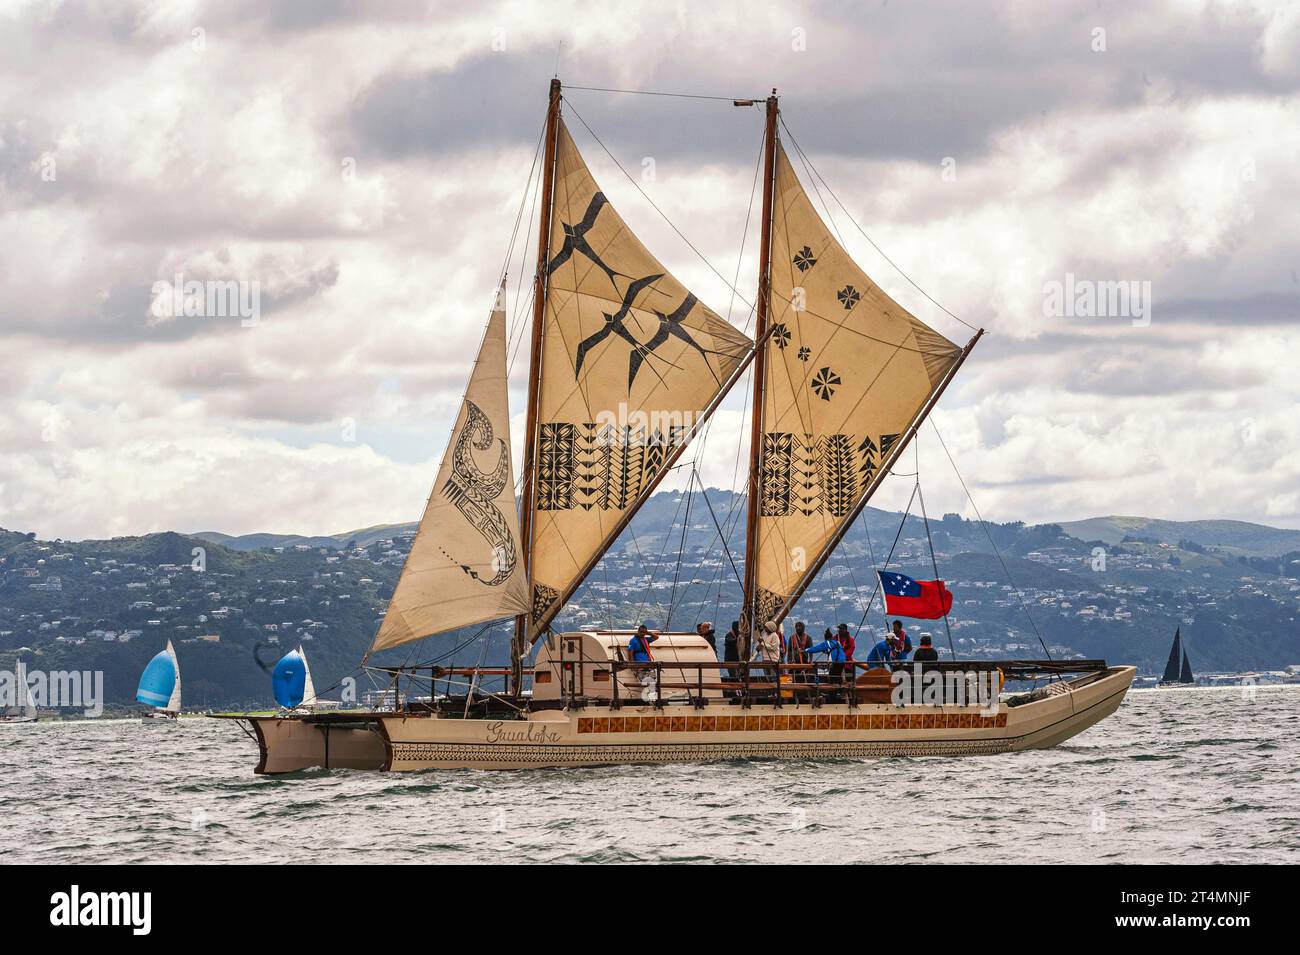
{"x":415,"y":754}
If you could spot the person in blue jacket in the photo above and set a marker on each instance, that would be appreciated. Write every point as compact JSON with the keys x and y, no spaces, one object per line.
{"x":829,"y":645}
{"x":835,"y":650}
{"x":889,"y":650}
{"x":638,"y":648}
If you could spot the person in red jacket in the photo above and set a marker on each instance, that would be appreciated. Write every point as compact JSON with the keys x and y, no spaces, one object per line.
{"x":846,"y":641}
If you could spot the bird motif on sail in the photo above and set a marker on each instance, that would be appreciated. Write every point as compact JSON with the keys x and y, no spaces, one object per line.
{"x":474,"y":492}
{"x":631,"y":361}
{"x":575,"y":239}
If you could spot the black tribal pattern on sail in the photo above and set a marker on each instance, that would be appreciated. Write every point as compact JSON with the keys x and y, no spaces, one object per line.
{"x":600,"y":466}
{"x":670,"y":326}
{"x":614,"y":325}
{"x":474,"y":492}
{"x":575,"y":239}
{"x":806,"y":476}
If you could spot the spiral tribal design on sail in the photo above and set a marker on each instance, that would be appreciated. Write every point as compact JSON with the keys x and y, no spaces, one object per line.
{"x":474,"y":491}
{"x":448,"y":580}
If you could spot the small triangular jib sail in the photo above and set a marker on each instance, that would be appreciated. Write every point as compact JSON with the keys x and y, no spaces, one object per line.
{"x":16,"y":699}
{"x":1186,"y":675}
{"x":1172,"y":670}
{"x":847,"y":370}
{"x":308,"y":688}
{"x":174,"y":701}
{"x":28,"y":709}
{"x":631,"y":363}
{"x":465,"y":565}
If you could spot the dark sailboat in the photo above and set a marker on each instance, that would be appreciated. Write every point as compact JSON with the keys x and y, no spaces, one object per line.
{"x":1175,"y":675}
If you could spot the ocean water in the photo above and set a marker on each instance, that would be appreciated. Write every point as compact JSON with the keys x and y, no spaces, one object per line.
{"x":1187,"y":775}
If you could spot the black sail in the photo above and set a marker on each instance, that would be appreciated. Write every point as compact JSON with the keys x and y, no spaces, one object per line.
{"x":1186,"y":676}
{"x":1172,"y":672}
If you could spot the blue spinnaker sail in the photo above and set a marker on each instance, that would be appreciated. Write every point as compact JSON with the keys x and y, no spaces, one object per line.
{"x":289,"y":679}
{"x":158,"y":680}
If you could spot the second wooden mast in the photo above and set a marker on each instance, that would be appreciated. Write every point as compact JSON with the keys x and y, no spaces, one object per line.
{"x":519,"y":645}
{"x":754,"y":486}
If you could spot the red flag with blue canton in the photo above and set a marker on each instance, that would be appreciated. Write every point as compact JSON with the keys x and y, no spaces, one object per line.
{"x":922,"y":599}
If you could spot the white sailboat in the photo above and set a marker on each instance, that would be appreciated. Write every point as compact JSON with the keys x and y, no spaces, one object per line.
{"x":308,"y":687}
{"x":19,"y":704}
{"x":160,"y":686}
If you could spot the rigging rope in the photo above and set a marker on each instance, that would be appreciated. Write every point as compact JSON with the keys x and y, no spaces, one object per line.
{"x":656,"y":208}
{"x":1006,"y":570}
{"x":844,"y":209}
{"x":605,"y":89}
{"x":681,"y":549}
{"x":934,"y":563}
{"x":888,"y":557}
{"x":722,"y":536}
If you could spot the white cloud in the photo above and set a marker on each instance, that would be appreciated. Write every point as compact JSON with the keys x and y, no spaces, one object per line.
{"x":1171,"y":158}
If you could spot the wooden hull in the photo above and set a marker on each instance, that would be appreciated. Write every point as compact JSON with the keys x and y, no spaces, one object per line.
{"x":290,"y":744}
{"x":597,"y":736}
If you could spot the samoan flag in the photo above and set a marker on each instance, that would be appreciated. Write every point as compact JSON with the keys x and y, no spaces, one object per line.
{"x":923,"y":599}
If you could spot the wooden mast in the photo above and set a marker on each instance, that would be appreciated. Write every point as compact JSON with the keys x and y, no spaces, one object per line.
{"x":760,"y":372}
{"x":520,"y":642}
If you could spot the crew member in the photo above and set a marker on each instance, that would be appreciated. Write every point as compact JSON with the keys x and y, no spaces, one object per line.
{"x":926,"y":653}
{"x":638,"y":648}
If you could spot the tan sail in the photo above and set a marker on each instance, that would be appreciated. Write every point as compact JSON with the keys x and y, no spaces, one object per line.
{"x":631,"y":360}
{"x":847,"y":369}
{"x":465,"y":564}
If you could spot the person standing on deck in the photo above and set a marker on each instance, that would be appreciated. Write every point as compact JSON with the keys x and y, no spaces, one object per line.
{"x":846,"y":641}
{"x":883,"y":652}
{"x":797,"y":651}
{"x":638,"y":648}
{"x":710,"y":636}
{"x":767,"y":649}
{"x":902,"y":639}
{"x":926,"y":653}
{"x":834,"y":650}
{"x":731,"y":648}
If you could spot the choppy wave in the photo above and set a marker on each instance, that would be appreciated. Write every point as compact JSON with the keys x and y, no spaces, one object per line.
{"x":1192,"y":776}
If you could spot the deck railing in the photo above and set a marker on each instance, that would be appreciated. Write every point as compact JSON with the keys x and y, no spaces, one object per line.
{"x":743,"y":683}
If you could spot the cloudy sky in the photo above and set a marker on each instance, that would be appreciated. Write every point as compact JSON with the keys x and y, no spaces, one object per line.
{"x":363,"y":164}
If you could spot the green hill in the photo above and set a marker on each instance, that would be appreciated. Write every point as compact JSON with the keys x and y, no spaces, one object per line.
{"x":1241,"y":537}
